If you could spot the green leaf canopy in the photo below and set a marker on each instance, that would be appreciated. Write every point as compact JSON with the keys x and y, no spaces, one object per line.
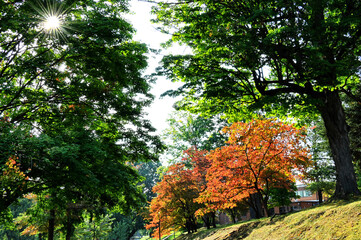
{"x":72,"y":99}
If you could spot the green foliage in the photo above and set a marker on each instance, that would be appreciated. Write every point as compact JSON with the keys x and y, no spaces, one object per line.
{"x":323,"y":172}
{"x":282,"y":196}
{"x":71,"y":111}
{"x":71,"y":106}
{"x":122,"y":227}
{"x":149,"y":171}
{"x":8,"y":229}
{"x":188,"y":130}
{"x":94,"y":228}
{"x":35,"y":219}
{"x":325,"y":187}
{"x":249,"y":55}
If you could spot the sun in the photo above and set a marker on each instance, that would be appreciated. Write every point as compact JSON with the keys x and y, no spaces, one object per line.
{"x":52,"y":23}
{"x":51,"y":18}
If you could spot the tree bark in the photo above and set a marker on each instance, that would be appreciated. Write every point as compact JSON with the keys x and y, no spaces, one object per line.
{"x":233,"y":216}
{"x":320,"y":196}
{"x":265,"y":208}
{"x":206,"y":221}
{"x":51,"y":227}
{"x":69,"y":225}
{"x":194,"y":224}
{"x":255,"y":203}
{"x":214,"y":219}
{"x":335,"y":122}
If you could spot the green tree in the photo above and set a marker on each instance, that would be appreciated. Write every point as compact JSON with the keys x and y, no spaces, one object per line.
{"x":73,"y":98}
{"x":125,"y":226}
{"x":188,"y":130}
{"x":282,"y":196}
{"x":311,"y":48}
{"x":8,"y":230}
{"x":148,"y":171}
{"x":94,"y":227}
{"x":323,"y":172}
{"x":90,"y":174}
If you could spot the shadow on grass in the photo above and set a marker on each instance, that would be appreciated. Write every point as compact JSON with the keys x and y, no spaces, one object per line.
{"x":244,"y":229}
{"x":233,"y":231}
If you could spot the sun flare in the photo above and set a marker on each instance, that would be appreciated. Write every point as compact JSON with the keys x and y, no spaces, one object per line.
{"x":52,"y":23}
{"x":51,"y":18}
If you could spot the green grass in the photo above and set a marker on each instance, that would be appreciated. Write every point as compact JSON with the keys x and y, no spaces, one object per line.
{"x":338,"y":220}
{"x":171,"y":237}
{"x":174,"y":236}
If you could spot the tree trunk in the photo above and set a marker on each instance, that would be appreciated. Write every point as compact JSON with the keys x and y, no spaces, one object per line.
{"x":51,"y":227}
{"x":256,"y":204}
{"x":337,"y":133}
{"x":214,"y":219}
{"x":206,"y":221}
{"x":319,"y":193}
{"x":265,"y":208}
{"x":194,"y":224}
{"x":69,"y":225}
{"x":233,"y":216}
{"x":188,"y":226}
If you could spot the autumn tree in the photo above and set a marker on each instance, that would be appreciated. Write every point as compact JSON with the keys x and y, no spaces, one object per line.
{"x":284,"y":57}
{"x":174,"y":207}
{"x":199,"y":164}
{"x":259,"y":156}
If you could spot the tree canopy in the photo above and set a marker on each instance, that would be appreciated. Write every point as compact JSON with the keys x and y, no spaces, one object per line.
{"x":284,"y":57}
{"x":259,"y":156}
{"x":71,"y":106}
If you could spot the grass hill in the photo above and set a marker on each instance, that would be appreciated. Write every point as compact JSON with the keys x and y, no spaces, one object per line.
{"x":338,"y":220}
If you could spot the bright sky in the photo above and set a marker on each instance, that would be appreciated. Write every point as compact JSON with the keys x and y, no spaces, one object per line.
{"x":147,"y":33}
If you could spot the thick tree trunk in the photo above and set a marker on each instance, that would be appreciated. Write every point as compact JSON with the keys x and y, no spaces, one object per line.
{"x":206,"y":221}
{"x":255,"y":203}
{"x":188,"y":226}
{"x":51,"y":227}
{"x":214,"y":219}
{"x":194,"y":224}
{"x":337,"y":133}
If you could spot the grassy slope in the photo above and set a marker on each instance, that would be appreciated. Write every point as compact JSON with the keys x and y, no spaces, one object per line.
{"x":341,"y":220}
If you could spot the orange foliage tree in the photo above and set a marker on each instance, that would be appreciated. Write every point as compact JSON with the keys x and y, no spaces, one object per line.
{"x":200,"y":165}
{"x":259,"y":155}
{"x":12,"y":179}
{"x":175,"y":206}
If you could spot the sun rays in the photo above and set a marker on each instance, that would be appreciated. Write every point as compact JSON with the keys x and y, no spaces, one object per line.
{"x":52,"y":23}
{"x":51,"y":17}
